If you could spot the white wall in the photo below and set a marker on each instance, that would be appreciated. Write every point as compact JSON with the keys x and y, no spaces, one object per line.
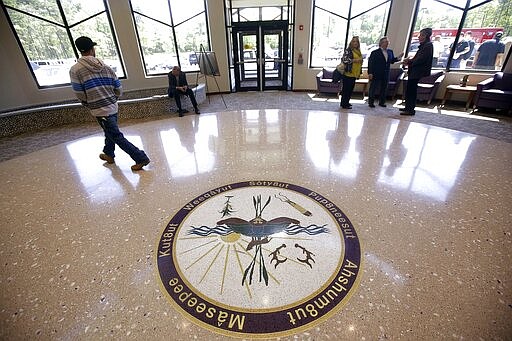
{"x":303,"y":77}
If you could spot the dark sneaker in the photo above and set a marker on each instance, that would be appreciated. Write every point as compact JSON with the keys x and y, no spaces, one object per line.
{"x":371,"y":105}
{"x":197,"y":111}
{"x":181,"y":112}
{"x":138,"y":166}
{"x":106,"y":158}
{"x":407,"y":113}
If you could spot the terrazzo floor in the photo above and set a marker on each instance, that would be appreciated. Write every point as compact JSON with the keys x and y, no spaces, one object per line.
{"x":496,"y":125}
{"x":392,"y":229}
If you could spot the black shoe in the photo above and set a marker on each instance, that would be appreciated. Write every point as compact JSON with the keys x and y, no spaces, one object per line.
{"x":181,"y":112}
{"x":371,"y":105}
{"x":407,"y":113}
{"x":382,"y":105}
{"x":402,"y":109}
{"x":196,"y":110}
{"x":346,"y":106}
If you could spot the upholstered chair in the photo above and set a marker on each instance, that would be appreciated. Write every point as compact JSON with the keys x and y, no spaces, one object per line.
{"x":495,"y":92}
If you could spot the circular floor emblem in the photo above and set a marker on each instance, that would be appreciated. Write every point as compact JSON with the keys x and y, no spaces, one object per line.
{"x":259,"y":259}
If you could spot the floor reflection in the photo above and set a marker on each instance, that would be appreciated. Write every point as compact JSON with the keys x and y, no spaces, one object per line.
{"x":423,"y":159}
{"x":97,"y":181}
{"x":188,"y":146}
{"x":404,"y":155}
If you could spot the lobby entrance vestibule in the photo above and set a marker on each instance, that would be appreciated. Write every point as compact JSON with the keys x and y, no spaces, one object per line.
{"x":260,"y":55}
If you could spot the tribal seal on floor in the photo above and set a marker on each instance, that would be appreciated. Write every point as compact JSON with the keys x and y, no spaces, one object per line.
{"x":259,"y":259}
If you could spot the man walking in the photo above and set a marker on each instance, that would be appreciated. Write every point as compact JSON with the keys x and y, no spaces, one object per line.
{"x":98,"y":88}
{"x":378,"y":71}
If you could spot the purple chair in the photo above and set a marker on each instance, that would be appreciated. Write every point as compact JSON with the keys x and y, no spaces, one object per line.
{"x":495,"y":92}
{"x":324,"y":82}
{"x":427,"y":86}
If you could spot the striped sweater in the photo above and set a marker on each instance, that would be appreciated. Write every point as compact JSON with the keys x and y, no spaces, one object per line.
{"x":95,"y":85}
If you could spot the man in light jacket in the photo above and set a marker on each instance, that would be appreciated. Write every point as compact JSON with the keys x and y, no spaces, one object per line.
{"x":98,"y":88}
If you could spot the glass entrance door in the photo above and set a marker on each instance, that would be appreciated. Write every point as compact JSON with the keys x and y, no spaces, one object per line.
{"x":260,"y":55}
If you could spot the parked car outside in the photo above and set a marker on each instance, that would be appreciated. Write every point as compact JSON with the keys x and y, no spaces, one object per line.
{"x":192,"y":58}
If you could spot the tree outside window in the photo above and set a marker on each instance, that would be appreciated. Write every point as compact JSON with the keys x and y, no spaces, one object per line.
{"x":335,"y":22}
{"x":170,"y":32}
{"x":461,"y":28}
{"x":46,"y":30}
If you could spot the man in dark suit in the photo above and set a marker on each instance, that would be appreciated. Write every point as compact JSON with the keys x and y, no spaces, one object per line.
{"x":378,"y":71}
{"x":178,"y":86}
{"x":419,"y":66}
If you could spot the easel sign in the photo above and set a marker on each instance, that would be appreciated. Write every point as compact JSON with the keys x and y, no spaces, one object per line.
{"x":208,"y":63}
{"x":208,"y":67}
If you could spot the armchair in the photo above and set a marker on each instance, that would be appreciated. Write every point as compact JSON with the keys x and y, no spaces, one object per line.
{"x":495,"y":92}
{"x":427,"y":86}
{"x":395,"y":78}
{"x":324,"y":82}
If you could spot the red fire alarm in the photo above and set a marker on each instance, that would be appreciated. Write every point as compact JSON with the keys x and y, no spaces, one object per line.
{"x":301,"y":27}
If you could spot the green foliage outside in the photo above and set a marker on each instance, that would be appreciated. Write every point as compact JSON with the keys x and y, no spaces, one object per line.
{"x":497,"y":13}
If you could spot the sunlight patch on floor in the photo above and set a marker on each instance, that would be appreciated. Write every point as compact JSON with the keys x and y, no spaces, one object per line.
{"x":330,"y":99}
{"x":468,"y":115}
{"x":455,"y":113}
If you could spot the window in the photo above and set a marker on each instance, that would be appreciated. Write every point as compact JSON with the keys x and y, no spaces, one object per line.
{"x":46,"y":31}
{"x":240,"y":12}
{"x":473,"y":46}
{"x":335,"y":22}
{"x":170,"y":32}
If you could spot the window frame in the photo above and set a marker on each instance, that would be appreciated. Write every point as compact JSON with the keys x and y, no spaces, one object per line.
{"x":349,"y":18}
{"x":460,"y":29}
{"x":68,"y":29}
{"x":172,"y":27}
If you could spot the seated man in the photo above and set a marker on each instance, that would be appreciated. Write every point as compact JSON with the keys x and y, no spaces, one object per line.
{"x":178,"y":86}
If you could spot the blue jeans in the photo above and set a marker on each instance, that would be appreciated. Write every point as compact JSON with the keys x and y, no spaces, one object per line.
{"x":113,"y":136}
{"x":455,"y":63}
